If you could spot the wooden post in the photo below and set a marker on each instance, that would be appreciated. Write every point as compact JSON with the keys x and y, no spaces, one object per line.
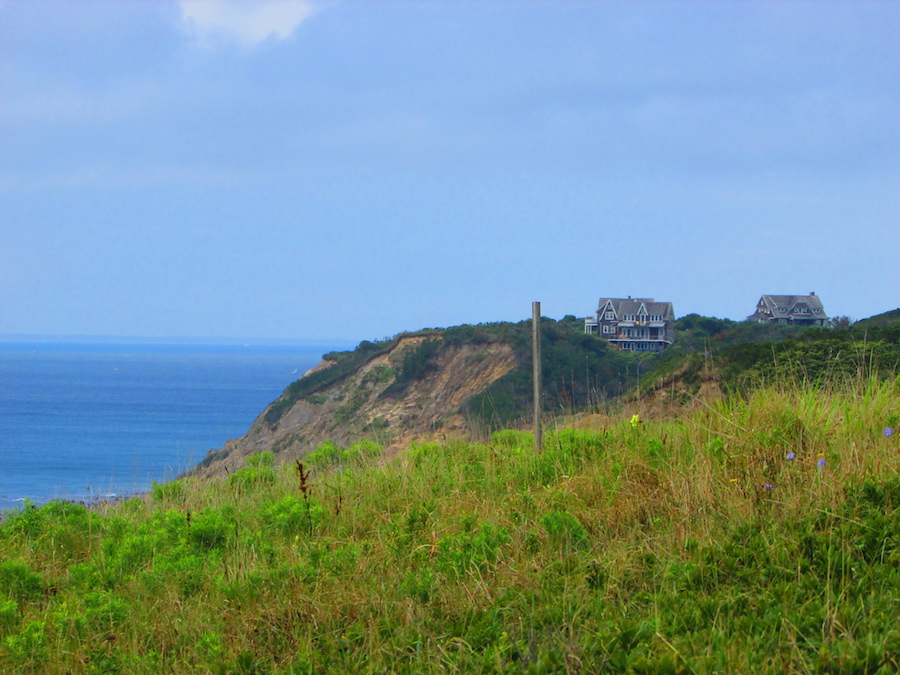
{"x":538,"y":385}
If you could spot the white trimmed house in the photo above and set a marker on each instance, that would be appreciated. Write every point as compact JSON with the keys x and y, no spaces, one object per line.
{"x":634,"y":324}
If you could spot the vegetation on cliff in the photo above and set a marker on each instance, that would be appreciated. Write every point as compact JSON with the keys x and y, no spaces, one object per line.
{"x":750,"y":534}
{"x":472,"y":379}
{"x":579,"y":370}
{"x":584,"y":372}
{"x":745,"y":355}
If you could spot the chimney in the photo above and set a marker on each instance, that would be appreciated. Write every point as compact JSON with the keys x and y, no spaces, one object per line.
{"x":812,"y":292}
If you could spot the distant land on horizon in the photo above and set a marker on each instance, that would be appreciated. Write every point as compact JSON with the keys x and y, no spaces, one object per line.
{"x":24,"y":338}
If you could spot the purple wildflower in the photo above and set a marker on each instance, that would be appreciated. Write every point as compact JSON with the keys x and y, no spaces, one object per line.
{"x":790,"y":456}
{"x":768,"y":486}
{"x":821,"y":462}
{"x":888,"y":432}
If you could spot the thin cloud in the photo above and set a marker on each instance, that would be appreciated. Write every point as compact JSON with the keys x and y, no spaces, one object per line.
{"x":249,"y":22}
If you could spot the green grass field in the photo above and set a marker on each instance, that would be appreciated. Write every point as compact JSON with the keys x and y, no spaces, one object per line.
{"x":758,"y":535}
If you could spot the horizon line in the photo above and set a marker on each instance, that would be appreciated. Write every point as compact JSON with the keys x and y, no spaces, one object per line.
{"x":210,"y":340}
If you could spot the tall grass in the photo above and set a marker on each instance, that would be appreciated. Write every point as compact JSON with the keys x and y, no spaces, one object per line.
{"x":751,"y":535}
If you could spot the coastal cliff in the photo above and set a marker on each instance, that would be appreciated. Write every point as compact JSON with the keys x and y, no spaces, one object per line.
{"x":469,"y":379}
{"x":433,"y":383}
{"x":415,"y":386}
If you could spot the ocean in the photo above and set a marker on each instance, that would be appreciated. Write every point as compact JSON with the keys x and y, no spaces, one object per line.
{"x":87,"y":422}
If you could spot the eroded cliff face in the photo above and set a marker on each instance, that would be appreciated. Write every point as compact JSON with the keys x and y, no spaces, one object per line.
{"x":371,"y":403}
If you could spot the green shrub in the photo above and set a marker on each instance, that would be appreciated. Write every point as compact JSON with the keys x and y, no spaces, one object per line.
{"x":183,"y":572}
{"x":83,"y":576}
{"x":415,"y":363}
{"x":513,"y":439}
{"x":579,"y":443}
{"x":258,"y":471}
{"x":565,"y":529}
{"x":104,"y":608}
{"x":212,"y":529}
{"x":473,"y":549}
{"x":18,"y":582}
{"x":129,"y":554}
{"x":326,"y":454}
{"x":9,"y":616}
{"x":28,"y":521}
{"x":377,"y":424}
{"x":292,"y":515}
{"x":420,"y":585}
{"x":171,"y":492}
{"x":29,"y":648}
{"x":379,"y":374}
{"x":362,"y":451}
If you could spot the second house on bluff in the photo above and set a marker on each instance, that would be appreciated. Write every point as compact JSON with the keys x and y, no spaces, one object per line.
{"x":797,"y":310}
{"x":634,"y":324}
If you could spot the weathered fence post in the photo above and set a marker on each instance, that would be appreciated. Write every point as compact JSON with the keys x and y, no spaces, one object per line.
{"x":538,"y":385}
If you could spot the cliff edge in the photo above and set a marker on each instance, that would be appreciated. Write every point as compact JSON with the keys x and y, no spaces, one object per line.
{"x":412,"y":387}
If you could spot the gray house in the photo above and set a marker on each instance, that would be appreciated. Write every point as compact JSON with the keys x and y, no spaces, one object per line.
{"x":799,"y":310}
{"x":634,"y":324}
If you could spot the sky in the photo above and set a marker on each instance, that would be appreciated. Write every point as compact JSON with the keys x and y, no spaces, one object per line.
{"x":350,"y":169}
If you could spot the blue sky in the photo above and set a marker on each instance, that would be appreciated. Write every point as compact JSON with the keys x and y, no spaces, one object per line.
{"x":352,"y":169}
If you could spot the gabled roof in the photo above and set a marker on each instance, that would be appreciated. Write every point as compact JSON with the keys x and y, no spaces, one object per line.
{"x":784,"y":306}
{"x":623,"y":306}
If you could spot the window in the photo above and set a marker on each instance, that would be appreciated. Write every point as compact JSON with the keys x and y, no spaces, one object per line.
{"x":609,"y":329}
{"x":609,"y":315}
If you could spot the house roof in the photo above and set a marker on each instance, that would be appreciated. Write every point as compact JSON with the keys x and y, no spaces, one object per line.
{"x":784,"y":306}
{"x":623,"y":306}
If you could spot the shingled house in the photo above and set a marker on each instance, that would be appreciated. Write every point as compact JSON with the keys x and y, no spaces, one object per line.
{"x":799,"y":310}
{"x":634,"y":324}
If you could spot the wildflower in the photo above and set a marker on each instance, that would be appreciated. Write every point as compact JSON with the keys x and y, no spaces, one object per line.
{"x":888,"y":432}
{"x":734,"y":480}
{"x":790,"y":456}
{"x":635,"y":420}
{"x":821,"y":462}
{"x":768,"y":486}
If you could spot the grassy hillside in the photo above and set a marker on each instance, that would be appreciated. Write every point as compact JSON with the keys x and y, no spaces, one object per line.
{"x":757,"y":534}
{"x":889,"y":319}
{"x":745,"y":355}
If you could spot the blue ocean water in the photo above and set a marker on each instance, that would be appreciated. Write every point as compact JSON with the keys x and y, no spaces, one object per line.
{"x":92,"y":421}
